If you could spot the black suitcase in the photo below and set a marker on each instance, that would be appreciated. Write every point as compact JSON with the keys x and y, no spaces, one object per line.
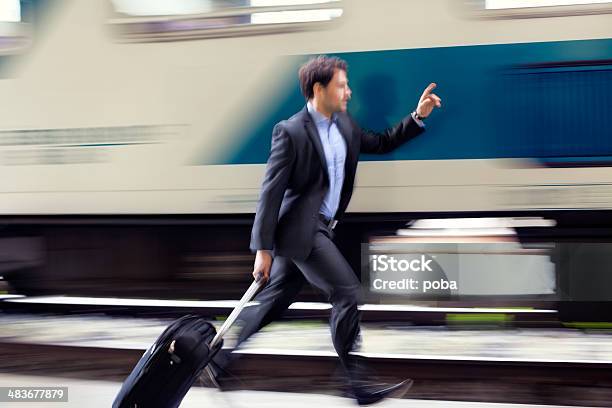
{"x":167,"y":370}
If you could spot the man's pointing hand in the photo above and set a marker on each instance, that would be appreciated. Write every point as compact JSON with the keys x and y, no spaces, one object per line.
{"x":428,"y":101}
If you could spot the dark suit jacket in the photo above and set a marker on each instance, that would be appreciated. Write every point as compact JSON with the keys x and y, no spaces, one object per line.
{"x":296,"y":179}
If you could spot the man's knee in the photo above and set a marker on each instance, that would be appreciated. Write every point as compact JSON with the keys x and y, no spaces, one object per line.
{"x":347,"y":297}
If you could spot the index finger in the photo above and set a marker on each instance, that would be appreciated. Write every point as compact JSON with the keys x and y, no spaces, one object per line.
{"x":427,"y":90}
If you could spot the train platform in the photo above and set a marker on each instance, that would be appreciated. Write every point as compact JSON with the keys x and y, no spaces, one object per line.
{"x":312,"y":338}
{"x":517,"y":365}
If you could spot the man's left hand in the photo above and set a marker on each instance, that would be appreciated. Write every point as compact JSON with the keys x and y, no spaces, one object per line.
{"x":428,"y":101}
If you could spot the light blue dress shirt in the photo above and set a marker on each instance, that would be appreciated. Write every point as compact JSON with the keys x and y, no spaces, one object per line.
{"x":334,"y":148}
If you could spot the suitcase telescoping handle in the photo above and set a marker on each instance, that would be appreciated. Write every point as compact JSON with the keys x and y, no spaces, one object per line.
{"x":247,"y":297}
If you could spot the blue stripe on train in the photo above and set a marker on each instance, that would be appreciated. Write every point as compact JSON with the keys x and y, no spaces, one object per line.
{"x":536,"y":100}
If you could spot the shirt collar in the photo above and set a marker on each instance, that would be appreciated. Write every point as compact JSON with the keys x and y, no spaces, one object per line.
{"x":317,"y":116}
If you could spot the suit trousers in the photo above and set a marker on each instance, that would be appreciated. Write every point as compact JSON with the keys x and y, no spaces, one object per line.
{"x":327,"y":270}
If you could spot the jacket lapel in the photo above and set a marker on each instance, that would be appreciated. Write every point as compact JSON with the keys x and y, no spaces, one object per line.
{"x":349,"y":164}
{"x":313,"y":134}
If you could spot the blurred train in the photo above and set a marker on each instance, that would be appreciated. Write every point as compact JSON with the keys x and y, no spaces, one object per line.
{"x":134,"y":134}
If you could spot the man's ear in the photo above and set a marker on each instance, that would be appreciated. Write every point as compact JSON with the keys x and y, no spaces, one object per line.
{"x":317,"y":87}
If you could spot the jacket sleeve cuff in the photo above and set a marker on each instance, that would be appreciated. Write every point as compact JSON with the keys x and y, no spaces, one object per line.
{"x":417,"y":120}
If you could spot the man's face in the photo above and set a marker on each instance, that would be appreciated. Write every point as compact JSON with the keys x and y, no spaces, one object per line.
{"x":337,"y":93}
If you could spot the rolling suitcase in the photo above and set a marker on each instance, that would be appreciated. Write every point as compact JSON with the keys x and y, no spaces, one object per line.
{"x":167,"y":370}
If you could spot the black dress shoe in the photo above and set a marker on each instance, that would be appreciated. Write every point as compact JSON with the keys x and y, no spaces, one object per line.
{"x":366,"y":395}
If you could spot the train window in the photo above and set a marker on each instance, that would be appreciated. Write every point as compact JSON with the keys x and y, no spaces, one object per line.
{"x":10,"y":11}
{"x":169,"y":20}
{"x":562,"y":130}
{"x":512,"y":4}
{"x":537,"y":8}
{"x":14,"y":33}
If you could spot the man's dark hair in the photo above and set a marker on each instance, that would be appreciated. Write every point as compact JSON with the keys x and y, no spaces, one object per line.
{"x":319,"y":69}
